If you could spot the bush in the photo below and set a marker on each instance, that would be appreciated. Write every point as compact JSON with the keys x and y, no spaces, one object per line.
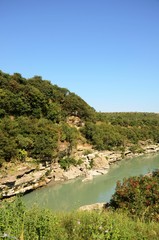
{"x":66,"y":162}
{"x":139,"y":196}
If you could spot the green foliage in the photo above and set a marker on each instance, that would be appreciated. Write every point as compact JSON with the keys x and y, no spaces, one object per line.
{"x":33,"y":115}
{"x":18,"y":222}
{"x":91,"y":163}
{"x":66,"y":162}
{"x":136,"y":149}
{"x":103,"y":136}
{"x":22,"y":155}
{"x":39,"y":98}
{"x":45,"y":138}
{"x":33,"y":118}
{"x":128,"y":119}
{"x":74,"y":105}
{"x":87,"y":151}
{"x":54,"y":112}
{"x":116,"y":130}
{"x":8,"y":146}
{"x":139,"y":196}
{"x":12,"y":218}
{"x":22,"y":137}
{"x":69,"y":134}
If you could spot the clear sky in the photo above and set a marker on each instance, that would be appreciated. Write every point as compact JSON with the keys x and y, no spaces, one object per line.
{"x":106,"y":51}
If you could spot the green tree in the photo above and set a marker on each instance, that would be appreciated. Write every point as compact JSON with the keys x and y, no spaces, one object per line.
{"x":54,"y":112}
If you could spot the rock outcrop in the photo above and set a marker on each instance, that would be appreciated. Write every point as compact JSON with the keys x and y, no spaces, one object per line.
{"x":24,"y":180}
{"x":151,"y":148}
{"x":95,"y":206}
{"x":28,"y":177}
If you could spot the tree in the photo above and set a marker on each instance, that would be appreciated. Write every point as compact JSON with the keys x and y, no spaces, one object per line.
{"x":54,"y":112}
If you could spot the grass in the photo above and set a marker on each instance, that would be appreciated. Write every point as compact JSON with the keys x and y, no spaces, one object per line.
{"x":18,"y":222}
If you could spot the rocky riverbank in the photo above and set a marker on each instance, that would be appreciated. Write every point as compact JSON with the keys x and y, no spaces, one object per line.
{"x":29,"y":176}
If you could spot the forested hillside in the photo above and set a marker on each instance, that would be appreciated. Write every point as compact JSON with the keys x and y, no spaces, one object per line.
{"x":118,"y":130}
{"x":33,"y":115}
{"x":33,"y":122}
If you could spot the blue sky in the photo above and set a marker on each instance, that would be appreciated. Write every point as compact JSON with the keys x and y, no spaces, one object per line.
{"x":106,"y":51}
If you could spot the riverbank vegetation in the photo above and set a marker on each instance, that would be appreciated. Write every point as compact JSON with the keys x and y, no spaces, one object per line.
{"x":133,"y":213}
{"x":34,"y":123}
{"x":139,"y":196}
{"x":118,"y":130}
{"x":43,"y":224}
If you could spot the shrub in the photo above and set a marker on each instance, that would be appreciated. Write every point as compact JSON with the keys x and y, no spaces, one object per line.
{"x":139,"y":196}
{"x":87,"y":151}
{"x":66,"y":162}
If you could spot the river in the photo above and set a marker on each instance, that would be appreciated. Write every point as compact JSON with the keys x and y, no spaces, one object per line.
{"x":72,"y":194}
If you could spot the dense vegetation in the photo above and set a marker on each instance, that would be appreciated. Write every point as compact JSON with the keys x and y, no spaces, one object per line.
{"x":38,"y":98}
{"x":116,"y":130}
{"x":41,"y":224}
{"x":33,"y":122}
{"x":139,"y":196}
{"x":33,"y":115}
{"x":133,"y":213}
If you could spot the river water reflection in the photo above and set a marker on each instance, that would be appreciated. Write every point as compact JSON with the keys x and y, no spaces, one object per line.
{"x":75,"y":193}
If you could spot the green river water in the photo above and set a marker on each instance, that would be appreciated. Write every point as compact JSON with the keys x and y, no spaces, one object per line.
{"x":71,"y":195}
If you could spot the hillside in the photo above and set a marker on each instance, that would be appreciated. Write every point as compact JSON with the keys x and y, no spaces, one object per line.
{"x":34,"y":121}
{"x":46,"y":130}
{"x":33,"y":115}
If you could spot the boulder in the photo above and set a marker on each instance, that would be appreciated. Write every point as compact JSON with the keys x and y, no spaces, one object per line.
{"x":91,"y":156}
{"x":114,"y":157}
{"x":100,"y":162}
{"x":72,"y":173}
{"x":95,"y":206}
{"x":151,"y":148}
